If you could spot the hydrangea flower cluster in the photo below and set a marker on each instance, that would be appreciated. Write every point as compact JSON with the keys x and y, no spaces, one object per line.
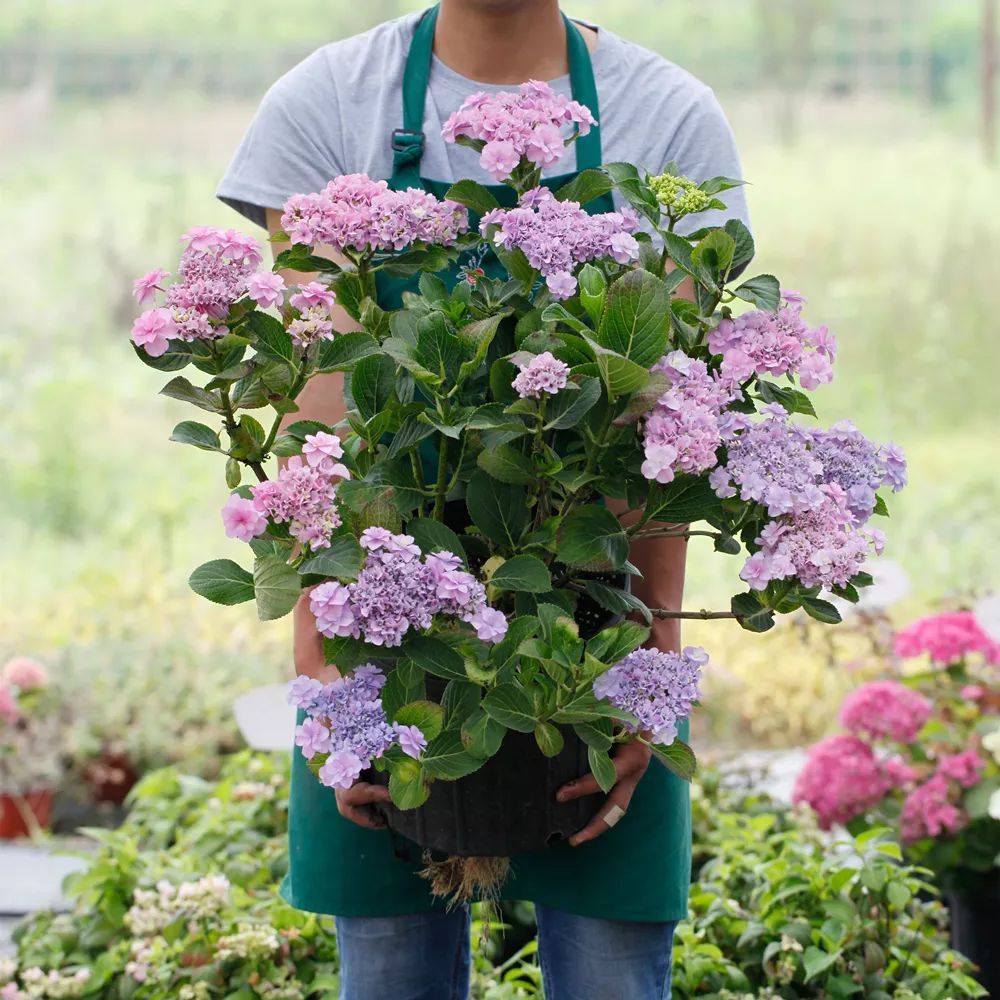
{"x":214,"y":271}
{"x":884,"y":710}
{"x":397,"y":590}
{"x":947,"y":638}
{"x":544,"y":373}
{"x":857,"y":465}
{"x":658,"y":688}
{"x":820,"y":548}
{"x":684,"y":429}
{"x":303,"y":494}
{"x":346,"y":721}
{"x":154,"y":909}
{"x":556,"y":235}
{"x":929,"y":811}
{"x":355,"y":213}
{"x":841,"y":779}
{"x":251,"y":942}
{"x":524,"y":123}
{"x":24,"y":673}
{"x":679,"y":195}
{"x":51,"y":985}
{"x":314,"y":302}
{"x":767,"y":343}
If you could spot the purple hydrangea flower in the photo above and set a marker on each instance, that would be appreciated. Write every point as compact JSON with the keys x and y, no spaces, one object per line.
{"x":489,"y":623}
{"x":544,"y":373}
{"x":411,"y":741}
{"x":341,"y":770}
{"x":659,"y":688}
{"x":313,"y":737}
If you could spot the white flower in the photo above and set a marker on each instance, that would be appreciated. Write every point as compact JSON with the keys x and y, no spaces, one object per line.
{"x":991,"y":742}
{"x":994,"y":807}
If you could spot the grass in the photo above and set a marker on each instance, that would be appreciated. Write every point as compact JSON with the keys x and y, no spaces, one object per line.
{"x":895,"y":243}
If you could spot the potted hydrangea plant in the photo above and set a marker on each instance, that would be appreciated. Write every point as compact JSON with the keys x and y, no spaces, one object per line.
{"x":469,"y":579}
{"x":29,"y":747}
{"x":922,"y":754}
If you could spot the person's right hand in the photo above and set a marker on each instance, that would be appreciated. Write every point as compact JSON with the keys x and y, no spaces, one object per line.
{"x":354,"y":803}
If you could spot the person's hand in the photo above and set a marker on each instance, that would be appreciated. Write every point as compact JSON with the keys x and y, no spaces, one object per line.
{"x":356,"y":804}
{"x":631,"y":760}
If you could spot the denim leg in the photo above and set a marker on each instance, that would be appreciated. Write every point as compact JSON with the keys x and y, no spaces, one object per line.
{"x":419,"y":956}
{"x":586,"y":958}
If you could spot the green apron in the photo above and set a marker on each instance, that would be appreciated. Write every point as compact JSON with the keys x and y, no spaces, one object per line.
{"x":640,"y":869}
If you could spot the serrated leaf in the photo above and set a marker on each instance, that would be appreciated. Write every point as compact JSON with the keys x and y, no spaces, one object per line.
{"x":223,"y":582}
{"x":408,"y":787}
{"x":750,"y":614}
{"x":427,"y":716}
{"x":277,"y":587}
{"x":344,"y":351}
{"x":473,"y":196}
{"x":616,"y":600}
{"x":603,"y":768}
{"x":511,"y":707}
{"x":434,"y":657}
{"x":482,"y":735}
{"x":342,"y":559}
{"x":523,"y":574}
{"x":193,"y":433}
{"x":549,"y":739}
{"x":181,"y":388}
{"x":373,"y":384}
{"x":677,"y":757}
{"x":585,"y":186}
{"x":635,"y":323}
{"x":499,"y":510}
{"x":569,"y":406}
{"x":615,"y":642}
{"x":507,"y":465}
{"x":447,"y":758}
{"x":763,"y":291}
{"x":592,"y":537}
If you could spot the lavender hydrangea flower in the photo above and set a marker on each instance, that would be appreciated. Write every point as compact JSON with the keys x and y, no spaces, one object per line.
{"x":489,"y":623}
{"x":544,"y":373}
{"x":330,"y":603}
{"x":393,"y":593}
{"x":658,"y":688}
{"x":341,"y":769}
{"x":411,"y":741}
{"x":313,"y":737}
{"x":303,"y":496}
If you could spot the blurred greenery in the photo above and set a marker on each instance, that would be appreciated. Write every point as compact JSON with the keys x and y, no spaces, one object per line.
{"x":889,"y":230}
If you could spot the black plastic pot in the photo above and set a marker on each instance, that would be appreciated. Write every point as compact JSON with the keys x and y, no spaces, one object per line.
{"x":975,"y":929}
{"x":506,"y":807}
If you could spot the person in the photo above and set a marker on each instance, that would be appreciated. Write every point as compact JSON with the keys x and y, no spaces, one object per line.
{"x":607,"y":901}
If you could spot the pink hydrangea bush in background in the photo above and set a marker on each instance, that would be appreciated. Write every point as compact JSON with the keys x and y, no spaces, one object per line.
{"x":932,"y":744}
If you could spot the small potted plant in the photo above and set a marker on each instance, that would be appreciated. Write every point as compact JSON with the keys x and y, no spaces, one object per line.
{"x":922,"y":752}
{"x":29,"y":748}
{"x":469,"y":579}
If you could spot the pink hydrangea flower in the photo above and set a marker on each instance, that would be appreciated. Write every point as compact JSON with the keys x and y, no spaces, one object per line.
{"x":947,"y":638}
{"x":973,"y":692}
{"x":266,"y":289}
{"x":242,"y":519}
{"x":341,"y":769}
{"x":313,"y":737}
{"x":144,"y":289}
{"x":152,"y":331}
{"x":544,"y":373}
{"x":312,"y":294}
{"x":966,"y":768}
{"x":899,"y":773}
{"x":840,"y":780}
{"x":499,"y":159}
{"x":411,"y":741}
{"x":330,"y":602}
{"x":885,"y":710}
{"x":561,"y":284}
{"x":928,"y":811}
{"x":25,"y":673}
{"x":321,"y":451}
{"x":489,"y":623}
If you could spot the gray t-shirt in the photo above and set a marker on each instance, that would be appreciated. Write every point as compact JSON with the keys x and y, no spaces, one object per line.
{"x":334,"y":113}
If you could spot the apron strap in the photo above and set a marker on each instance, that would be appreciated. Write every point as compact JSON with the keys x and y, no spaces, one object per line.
{"x":408,"y":141}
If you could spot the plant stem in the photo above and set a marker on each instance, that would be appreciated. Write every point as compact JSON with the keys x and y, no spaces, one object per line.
{"x":666,"y":533}
{"x":441,"y":487}
{"x":702,"y":615}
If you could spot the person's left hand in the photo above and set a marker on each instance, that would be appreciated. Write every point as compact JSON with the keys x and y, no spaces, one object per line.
{"x":631,"y":760}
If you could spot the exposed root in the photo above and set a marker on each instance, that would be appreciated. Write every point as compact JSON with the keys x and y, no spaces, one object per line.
{"x":461,"y":880}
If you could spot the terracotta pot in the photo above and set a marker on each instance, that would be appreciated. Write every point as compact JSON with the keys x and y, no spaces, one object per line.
{"x":14,"y":813}
{"x":110,"y":776}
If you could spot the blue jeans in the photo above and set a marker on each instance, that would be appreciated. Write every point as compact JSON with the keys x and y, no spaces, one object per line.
{"x":425,"y":956}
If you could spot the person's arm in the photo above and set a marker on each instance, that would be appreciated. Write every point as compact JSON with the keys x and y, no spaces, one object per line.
{"x":323,"y":399}
{"x":661,"y":561}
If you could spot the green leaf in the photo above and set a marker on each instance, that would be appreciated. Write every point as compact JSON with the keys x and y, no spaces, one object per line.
{"x":593,"y":289}
{"x":620,"y":375}
{"x":176,"y":356}
{"x":401,"y":351}
{"x":476,"y":338}
{"x":277,"y":587}
{"x":815,"y":961}
{"x":459,"y":701}
{"x":499,"y":510}
{"x":524,"y":574}
{"x":405,"y":683}
{"x":822,"y":611}
{"x":273,"y":340}
{"x":191,"y":432}
{"x":482,"y":735}
{"x":764,"y":292}
{"x":549,"y":739}
{"x":506,"y":464}
{"x":342,"y":559}
{"x":596,"y":734}
{"x":977,"y":800}
{"x":687,"y":498}
{"x":511,"y":707}
{"x":418,"y":260}
{"x":438,"y":350}
{"x":300,"y":258}
{"x":592,"y":537}
{"x":569,"y":406}
{"x":677,"y":757}
{"x":372,"y":384}
{"x":447,"y":758}
{"x":585,"y":186}
{"x":636,"y":318}
{"x":434,"y":657}
{"x":586,"y":708}
{"x":411,"y":432}
{"x":750,"y":614}
{"x":427,"y":716}
{"x":743,"y":242}
{"x":181,"y":388}
{"x":615,"y":642}
{"x":643,"y":399}
{"x":793,"y":400}
{"x":407,"y":786}
{"x":713,"y":256}
{"x":344,"y":351}
{"x":616,"y":600}
{"x":473,"y":196}
{"x":603,"y":768}
{"x":223,"y":582}
{"x":433,"y":536}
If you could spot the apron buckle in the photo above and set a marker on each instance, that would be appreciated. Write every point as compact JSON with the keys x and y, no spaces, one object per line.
{"x":408,"y":140}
